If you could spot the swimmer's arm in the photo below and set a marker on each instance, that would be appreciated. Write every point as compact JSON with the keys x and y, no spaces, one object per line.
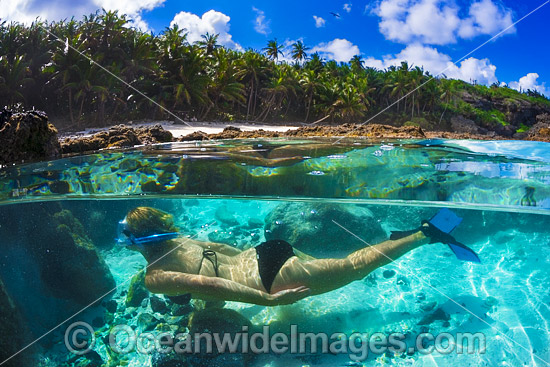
{"x":173,"y":283}
{"x":220,"y":248}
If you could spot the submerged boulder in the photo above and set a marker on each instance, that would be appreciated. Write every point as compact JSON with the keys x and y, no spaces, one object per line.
{"x":68,"y":263}
{"x":27,"y":136}
{"x":137,"y":291}
{"x":70,"y":266}
{"x":314,"y":227}
{"x":221,"y":321}
{"x":12,"y":331}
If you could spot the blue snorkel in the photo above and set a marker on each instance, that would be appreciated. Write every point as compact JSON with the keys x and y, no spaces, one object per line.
{"x":126,"y":238}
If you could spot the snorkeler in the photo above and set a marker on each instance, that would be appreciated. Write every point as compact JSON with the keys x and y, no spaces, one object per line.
{"x":272,"y":273}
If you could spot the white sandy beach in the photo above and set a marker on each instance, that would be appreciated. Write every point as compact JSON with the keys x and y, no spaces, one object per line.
{"x":181,"y":129}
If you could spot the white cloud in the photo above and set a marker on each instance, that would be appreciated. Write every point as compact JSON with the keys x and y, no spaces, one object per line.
{"x":319,"y":22}
{"x":472,"y":69}
{"x":347,"y":7}
{"x":530,"y":81}
{"x":212,"y":22}
{"x":26,"y":11}
{"x":486,"y":18}
{"x":438,"y":22}
{"x":260,"y":24}
{"x":338,"y":49}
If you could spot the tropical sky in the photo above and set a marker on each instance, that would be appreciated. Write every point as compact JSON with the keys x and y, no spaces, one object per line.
{"x":434,"y":34}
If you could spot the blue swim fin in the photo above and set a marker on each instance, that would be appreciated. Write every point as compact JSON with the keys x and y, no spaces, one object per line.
{"x":438,"y":230}
{"x":443,"y":223}
{"x":463,"y":252}
{"x":445,"y":220}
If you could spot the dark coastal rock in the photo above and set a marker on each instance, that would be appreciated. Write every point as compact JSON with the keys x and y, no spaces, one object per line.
{"x":119,"y":136}
{"x":541,"y":130}
{"x":310,"y":227}
{"x":196,"y":135}
{"x":137,"y":291}
{"x":517,"y":111}
{"x":27,"y":136}
{"x":12,"y":332}
{"x":367,"y":130}
{"x":460,"y":124}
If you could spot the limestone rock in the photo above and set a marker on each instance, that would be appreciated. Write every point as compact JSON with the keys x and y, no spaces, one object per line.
{"x":27,"y":136}
{"x":541,"y":130}
{"x":117,"y":137}
{"x":460,"y":124}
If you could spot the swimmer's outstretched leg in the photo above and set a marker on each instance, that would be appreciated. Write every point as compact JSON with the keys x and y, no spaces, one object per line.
{"x":324,"y":275}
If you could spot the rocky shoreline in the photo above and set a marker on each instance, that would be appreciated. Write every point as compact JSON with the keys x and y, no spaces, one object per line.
{"x":29,"y":136}
{"x":121,"y":136}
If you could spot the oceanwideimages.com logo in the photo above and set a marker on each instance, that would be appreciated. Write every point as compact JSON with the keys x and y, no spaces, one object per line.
{"x":123,"y":339}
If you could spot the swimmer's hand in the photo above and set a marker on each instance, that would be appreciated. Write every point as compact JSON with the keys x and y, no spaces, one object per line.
{"x":289,"y":296}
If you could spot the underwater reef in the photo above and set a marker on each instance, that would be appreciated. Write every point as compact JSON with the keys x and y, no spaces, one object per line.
{"x":13,"y":333}
{"x":59,"y":270}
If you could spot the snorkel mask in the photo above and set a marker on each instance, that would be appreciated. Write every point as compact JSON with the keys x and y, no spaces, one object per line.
{"x":126,"y":238}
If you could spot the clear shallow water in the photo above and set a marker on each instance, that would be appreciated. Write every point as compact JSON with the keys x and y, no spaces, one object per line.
{"x":371,"y":189}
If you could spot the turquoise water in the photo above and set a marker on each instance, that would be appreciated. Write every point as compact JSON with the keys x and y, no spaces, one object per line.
{"x":59,"y":220}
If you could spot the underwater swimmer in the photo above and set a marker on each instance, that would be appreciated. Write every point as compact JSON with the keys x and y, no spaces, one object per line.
{"x":272,"y":273}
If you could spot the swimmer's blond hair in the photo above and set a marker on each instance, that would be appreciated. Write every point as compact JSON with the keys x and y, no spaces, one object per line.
{"x":146,"y":221}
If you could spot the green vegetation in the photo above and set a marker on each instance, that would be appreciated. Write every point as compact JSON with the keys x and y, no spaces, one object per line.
{"x":206,"y":81}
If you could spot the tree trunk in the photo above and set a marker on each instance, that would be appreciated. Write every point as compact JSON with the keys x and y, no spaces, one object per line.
{"x":308,"y":106}
{"x":71,"y":106}
{"x":446,"y":105}
{"x":412,"y":108}
{"x":250,"y":98}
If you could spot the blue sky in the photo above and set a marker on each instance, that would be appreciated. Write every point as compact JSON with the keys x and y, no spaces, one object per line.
{"x":429,"y":33}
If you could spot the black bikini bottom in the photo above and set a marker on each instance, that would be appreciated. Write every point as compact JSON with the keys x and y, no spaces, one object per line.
{"x":271,"y":256}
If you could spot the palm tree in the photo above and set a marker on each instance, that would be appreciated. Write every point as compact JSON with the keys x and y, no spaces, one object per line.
{"x":252,"y":70}
{"x":299,"y":51}
{"x":273,"y":49}
{"x":209,"y":42}
{"x":311,"y":84}
{"x":356,"y":63}
{"x":14,"y":80}
{"x":448,"y":91}
{"x":349,"y":105}
{"x":223,"y":84}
